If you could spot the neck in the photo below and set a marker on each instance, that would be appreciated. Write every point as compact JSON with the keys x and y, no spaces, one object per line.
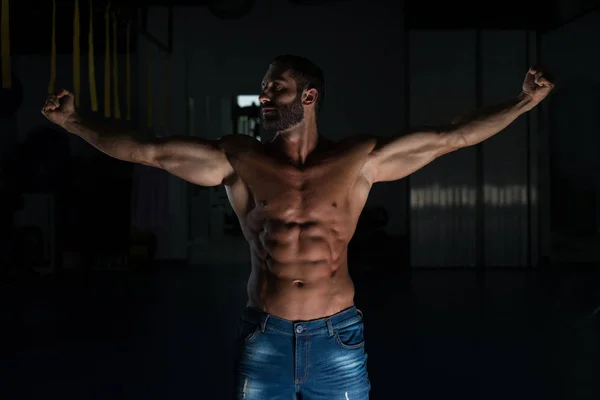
{"x":298,"y":142}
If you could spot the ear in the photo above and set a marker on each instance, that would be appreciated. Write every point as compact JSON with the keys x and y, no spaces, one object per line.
{"x":310,"y":97}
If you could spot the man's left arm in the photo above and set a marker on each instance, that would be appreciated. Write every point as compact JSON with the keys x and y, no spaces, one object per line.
{"x":395,"y":158}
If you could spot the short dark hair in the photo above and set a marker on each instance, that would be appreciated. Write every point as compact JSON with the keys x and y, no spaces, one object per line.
{"x":306,"y":74}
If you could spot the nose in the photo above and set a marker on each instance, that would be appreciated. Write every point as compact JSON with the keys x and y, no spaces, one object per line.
{"x":263,"y":98}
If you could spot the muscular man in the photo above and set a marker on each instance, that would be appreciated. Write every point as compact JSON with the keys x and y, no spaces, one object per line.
{"x":298,"y":199}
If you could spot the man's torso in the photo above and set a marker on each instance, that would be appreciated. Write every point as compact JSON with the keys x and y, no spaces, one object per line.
{"x":298,"y":221}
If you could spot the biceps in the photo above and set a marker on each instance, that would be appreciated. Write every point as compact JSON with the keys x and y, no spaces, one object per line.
{"x":200,"y":162}
{"x":405,"y":155}
{"x":401,"y":165}
{"x":201,"y":172}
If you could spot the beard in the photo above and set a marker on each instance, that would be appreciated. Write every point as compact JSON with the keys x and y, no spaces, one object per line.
{"x":285,"y":116}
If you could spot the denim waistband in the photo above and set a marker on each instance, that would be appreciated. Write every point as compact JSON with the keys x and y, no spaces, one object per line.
{"x":267,"y":321}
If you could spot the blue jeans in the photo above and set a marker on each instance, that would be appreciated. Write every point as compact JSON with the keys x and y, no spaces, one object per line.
{"x":307,"y":360}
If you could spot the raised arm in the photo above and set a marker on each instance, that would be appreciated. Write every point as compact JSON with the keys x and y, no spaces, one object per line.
{"x":396,"y":158}
{"x":196,"y":160}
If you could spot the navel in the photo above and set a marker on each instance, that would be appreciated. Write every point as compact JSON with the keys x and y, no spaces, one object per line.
{"x":334,"y":205}
{"x":299,"y":284}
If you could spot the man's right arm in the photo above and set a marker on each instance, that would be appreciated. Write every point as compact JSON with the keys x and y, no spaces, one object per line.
{"x":196,"y":160}
{"x":199,"y":161}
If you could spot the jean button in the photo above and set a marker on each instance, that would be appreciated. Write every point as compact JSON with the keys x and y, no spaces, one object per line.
{"x":299,"y":329}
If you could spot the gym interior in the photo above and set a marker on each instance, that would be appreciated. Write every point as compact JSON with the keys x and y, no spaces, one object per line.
{"x":119,"y":281}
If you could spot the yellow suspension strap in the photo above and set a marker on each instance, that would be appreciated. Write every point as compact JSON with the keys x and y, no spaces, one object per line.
{"x":169,"y":94}
{"x":107,"y":62}
{"x":162,"y":108}
{"x":116,"y":104}
{"x":128,"y":72}
{"x":5,"y":42}
{"x":149,"y":81}
{"x":52,"y":83}
{"x":76,"y":55}
{"x":91,"y":65}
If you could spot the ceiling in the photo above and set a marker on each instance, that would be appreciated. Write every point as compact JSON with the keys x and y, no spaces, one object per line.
{"x":541,"y":16}
{"x":419,"y":15}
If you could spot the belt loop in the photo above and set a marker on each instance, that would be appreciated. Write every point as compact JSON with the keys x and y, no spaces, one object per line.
{"x":360,"y":313}
{"x":263,"y":325}
{"x":329,"y":327}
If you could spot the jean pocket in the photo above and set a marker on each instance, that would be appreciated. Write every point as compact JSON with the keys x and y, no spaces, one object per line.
{"x":248,"y":330}
{"x":351,"y":337}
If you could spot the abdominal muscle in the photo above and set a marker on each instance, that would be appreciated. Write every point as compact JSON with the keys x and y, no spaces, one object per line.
{"x":299,"y":272}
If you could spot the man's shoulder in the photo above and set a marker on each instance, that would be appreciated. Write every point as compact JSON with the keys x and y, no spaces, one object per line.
{"x":237,"y":143}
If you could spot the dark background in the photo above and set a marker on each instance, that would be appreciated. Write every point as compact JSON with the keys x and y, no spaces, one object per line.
{"x":478,"y":275}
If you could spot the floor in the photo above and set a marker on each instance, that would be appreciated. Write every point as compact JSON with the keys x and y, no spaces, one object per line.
{"x":431,"y":334}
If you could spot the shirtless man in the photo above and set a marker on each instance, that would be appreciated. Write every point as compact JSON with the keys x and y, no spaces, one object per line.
{"x":298,"y":199}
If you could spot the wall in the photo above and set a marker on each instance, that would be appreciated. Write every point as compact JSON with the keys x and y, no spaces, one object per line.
{"x":444,"y":84}
{"x":168,"y":81}
{"x":219,"y":59}
{"x":573,"y":127}
{"x":34,"y":73}
{"x":542,"y":189}
{"x":216,"y":59}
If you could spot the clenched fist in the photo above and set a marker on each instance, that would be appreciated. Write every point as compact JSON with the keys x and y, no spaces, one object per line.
{"x":537,"y":85}
{"x":60,"y":107}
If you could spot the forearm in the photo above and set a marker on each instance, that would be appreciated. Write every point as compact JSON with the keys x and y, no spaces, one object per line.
{"x":488,"y":121}
{"x":118,"y":141}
